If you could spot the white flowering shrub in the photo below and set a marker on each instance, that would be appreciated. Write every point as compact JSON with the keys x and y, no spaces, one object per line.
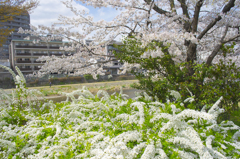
{"x":20,"y":99}
{"x":105,"y":126}
{"x":110,"y":76}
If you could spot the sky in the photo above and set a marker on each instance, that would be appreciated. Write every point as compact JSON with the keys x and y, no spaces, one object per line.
{"x":48,"y":11}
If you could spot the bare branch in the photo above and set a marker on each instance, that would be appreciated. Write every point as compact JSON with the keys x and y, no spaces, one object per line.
{"x":149,"y":12}
{"x":231,"y":39}
{"x":196,"y":16}
{"x":157,"y":9}
{"x":119,"y":26}
{"x":172,"y":5}
{"x":184,"y":7}
{"x":217,"y":48}
{"x":227,"y":8}
{"x":90,"y":51}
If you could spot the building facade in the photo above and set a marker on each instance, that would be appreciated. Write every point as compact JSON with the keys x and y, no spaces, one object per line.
{"x":116,"y":65}
{"x":22,"y":21}
{"x":24,"y":53}
{"x":4,"y":73}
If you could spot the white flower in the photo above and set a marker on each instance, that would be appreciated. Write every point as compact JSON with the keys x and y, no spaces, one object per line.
{"x":175,"y":94}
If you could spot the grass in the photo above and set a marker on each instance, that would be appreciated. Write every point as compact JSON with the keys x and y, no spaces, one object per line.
{"x":55,"y":90}
{"x":235,"y":117}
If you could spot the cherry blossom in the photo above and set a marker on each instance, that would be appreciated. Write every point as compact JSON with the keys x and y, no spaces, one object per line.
{"x":196,"y":30}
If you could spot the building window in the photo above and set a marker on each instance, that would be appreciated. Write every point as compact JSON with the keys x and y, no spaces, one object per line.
{"x":15,"y":36}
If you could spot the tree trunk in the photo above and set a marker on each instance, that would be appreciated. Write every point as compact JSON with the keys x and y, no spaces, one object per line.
{"x":191,"y":58}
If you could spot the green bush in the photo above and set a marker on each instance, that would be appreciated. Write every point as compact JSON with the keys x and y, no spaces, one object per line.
{"x":105,"y":126}
{"x":158,"y":75}
{"x":119,"y":127}
{"x":88,"y":76}
{"x":98,"y":76}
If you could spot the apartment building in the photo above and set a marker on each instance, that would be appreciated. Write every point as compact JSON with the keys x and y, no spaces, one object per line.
{"x":24,"y":53}
{"x":18,"y":21}
{"x":116,"y":65}
{"x":108,"y":49}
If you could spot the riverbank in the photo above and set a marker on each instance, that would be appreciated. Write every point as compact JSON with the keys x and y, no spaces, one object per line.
{"x":54,"y":90}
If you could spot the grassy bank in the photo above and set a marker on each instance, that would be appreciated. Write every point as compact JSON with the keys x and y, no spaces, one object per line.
{"x":93,"y":87}
{"x":112,"y":86}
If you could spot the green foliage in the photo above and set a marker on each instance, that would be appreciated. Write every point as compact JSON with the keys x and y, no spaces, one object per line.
{"x":158,"y":75}
{"x":88,"y":76}
{"x":98,"y":76}
{"x":57,"y":126}
{"x":223,"y":80}
{"x":16,"y":116}
{"x":91,"y":126}
{"x":156,"y":88}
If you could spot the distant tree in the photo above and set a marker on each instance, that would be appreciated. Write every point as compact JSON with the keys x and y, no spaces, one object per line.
{"x":10,"y":9}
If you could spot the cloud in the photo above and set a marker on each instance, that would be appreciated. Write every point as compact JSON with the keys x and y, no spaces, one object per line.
{"x":48,"y":11}
{"x":101,"y":12}
{"x":106,"y":13}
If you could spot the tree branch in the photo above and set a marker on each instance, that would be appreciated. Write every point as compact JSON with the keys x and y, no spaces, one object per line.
{"x":231,"y":39}
{"x":196,"y":16}
{"x":226,"y":8}
{"x":172,"y":5}
{"x":184,"y":7}
{"x":89,"y":50}
{"x":157,"y":9}
{"x":217,"y":48}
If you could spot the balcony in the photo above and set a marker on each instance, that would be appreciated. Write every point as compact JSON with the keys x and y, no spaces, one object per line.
{"x":28,"y":46}
{"x":26,"y":69}
{"x":38,"y":62}
{"x":18,"y":61}
{"x":23,"y":54}
{"x":53,"y":47}
{"x":16,"y":25}
{"x":40,"y":54}
{"x":36,"y":68}
{"x":56,"y":54}
{"x":68,"y":54}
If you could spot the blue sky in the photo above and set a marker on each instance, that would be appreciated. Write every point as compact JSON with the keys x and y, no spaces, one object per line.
{"x":48,"y":11}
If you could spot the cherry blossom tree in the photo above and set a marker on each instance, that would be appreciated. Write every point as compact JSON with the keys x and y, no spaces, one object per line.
{"x":193,"y":31}
{"x":196,"y":29}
